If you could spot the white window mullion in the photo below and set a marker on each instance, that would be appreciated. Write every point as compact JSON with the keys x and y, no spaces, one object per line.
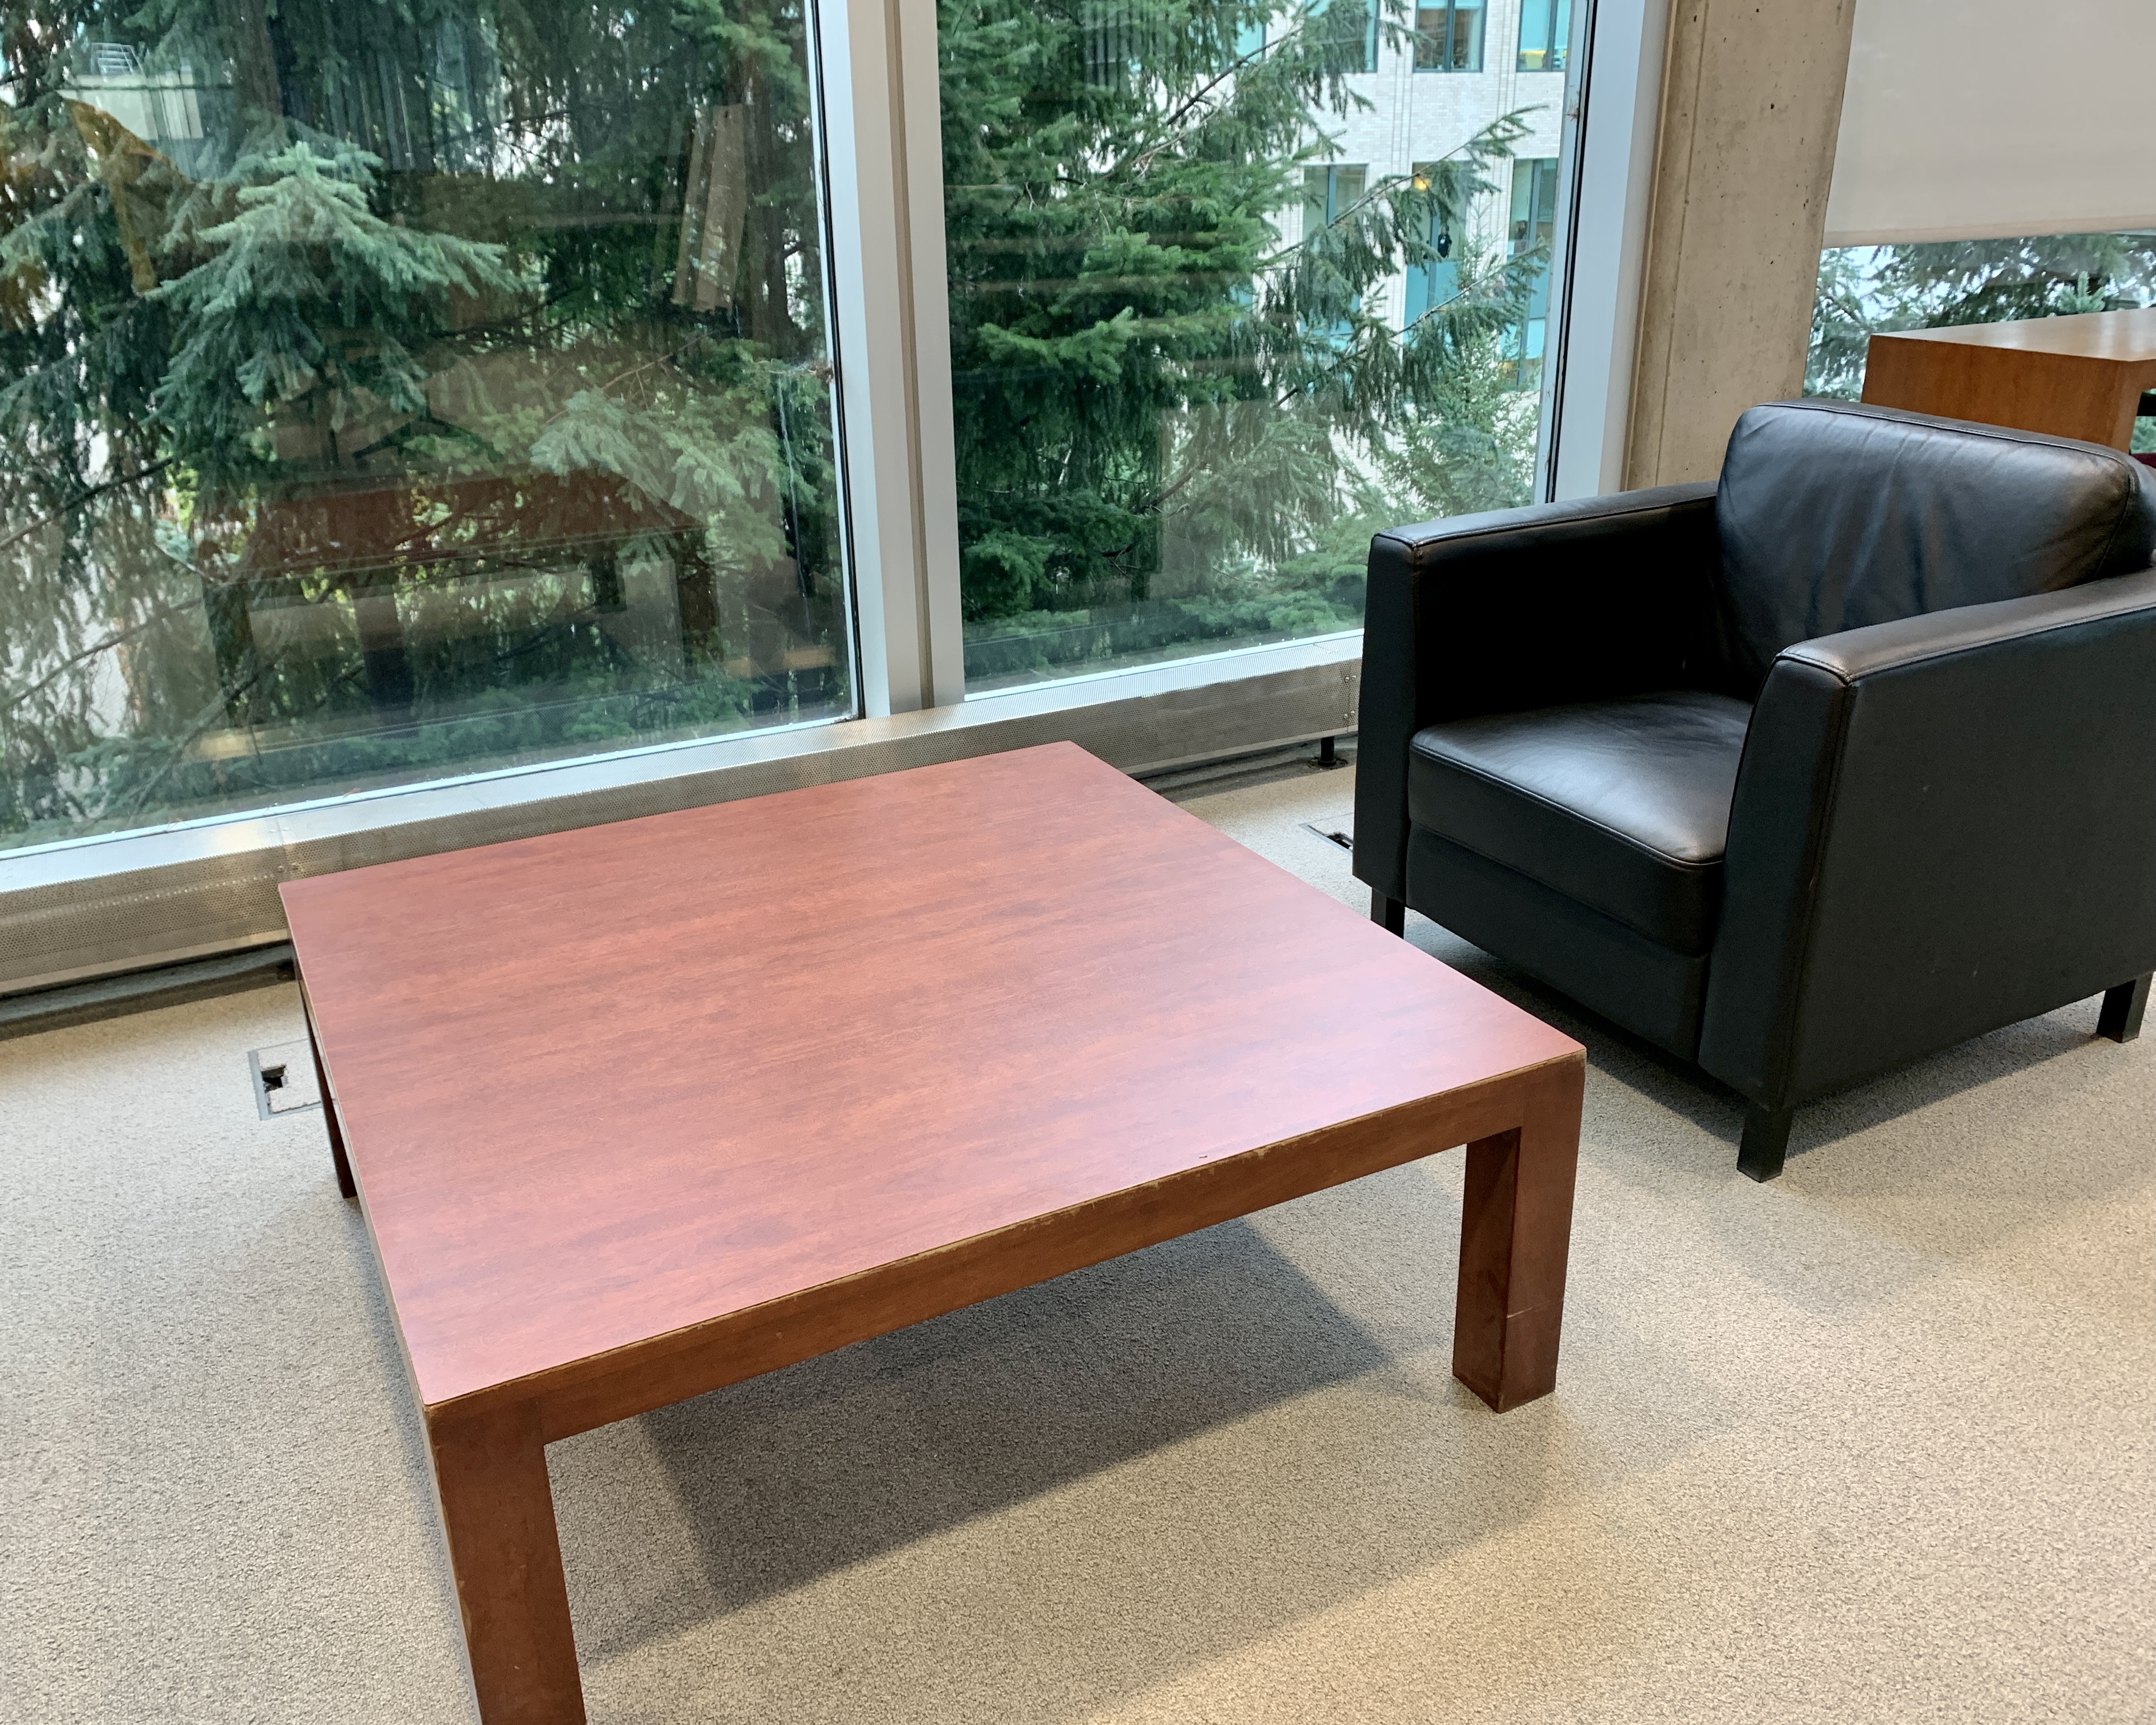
{"x":884,"y":159}
{"x":1622,"y":44}
{"x":936,"y":460}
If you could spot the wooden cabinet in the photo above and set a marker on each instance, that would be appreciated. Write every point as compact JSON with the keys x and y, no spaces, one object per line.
{"x":2073,"y":376}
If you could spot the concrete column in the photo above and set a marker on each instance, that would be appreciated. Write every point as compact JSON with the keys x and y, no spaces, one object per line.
{"x":1751,"y":102}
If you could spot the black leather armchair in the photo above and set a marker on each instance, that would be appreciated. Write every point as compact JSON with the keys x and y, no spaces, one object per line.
{"x":1800,"y":775}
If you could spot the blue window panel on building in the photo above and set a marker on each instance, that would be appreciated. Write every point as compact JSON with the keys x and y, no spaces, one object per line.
{"x":1433,"y":283}
{"x":1368,"y":9}
{"x":1328,"y":194}
{"x":1533,"y":226}
{"x":1449,"y":36}
{"x":1545,"y":32}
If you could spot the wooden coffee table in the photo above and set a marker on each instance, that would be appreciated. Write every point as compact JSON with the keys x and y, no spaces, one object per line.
{"x":642,"y":1110}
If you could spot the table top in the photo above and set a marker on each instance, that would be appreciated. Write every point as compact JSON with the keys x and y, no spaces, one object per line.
{"x":2116,"y":335}
{"x":600,"y":1086}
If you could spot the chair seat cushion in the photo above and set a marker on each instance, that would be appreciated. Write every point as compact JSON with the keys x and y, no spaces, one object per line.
{"x":1622,"y":805}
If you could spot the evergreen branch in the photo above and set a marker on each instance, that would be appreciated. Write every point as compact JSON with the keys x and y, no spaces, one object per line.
{"x":1175,"y":118}
{"x":94,"y":491}
{"x":137,"y":798}
{"x":622,"y":377}
{"x":1465,"y":293}
{"x":84,"y":655}
{"x":1496,"y":138}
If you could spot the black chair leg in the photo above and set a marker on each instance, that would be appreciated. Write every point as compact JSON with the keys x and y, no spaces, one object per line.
{"x":2122,"y":1007}
{"x":1766,"y":1142}
{"x":1390,"y":914}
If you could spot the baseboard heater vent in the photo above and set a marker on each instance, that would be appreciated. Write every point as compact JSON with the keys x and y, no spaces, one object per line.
{"x":142,"y":990}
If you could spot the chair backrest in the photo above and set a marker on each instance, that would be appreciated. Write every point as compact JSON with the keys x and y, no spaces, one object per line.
{"x":1834,"y":515}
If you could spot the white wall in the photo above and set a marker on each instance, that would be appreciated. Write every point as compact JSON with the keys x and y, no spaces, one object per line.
{"x":1988,"y":119}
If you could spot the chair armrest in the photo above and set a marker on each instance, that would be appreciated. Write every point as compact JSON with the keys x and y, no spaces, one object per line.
{"x":1941,"y":825}
{"x":1519,"y":608}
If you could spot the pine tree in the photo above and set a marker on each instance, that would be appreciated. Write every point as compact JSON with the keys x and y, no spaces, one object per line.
{"x":1145,"y":373}
{"x":304,"y":298}
{"x":438,"y":247}
{"x":417,"y":243}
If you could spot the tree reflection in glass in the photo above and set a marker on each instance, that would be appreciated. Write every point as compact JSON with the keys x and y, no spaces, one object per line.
{"x":401,"y":389}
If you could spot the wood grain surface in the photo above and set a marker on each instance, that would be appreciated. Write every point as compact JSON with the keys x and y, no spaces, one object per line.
{"x":641,"y":1110}
{"x":498,"y":1513}
{"x":2078,"y":377}
{"x":600,"y":1088}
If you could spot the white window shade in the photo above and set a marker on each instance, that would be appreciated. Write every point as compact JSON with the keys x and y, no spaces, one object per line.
{"x":1989,"y":119}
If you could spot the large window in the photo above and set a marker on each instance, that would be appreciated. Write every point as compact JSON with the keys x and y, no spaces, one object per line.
{"x":401,"y":389}
{"x":1545,"y":32}
{"x":1449,"y":37}
{"x":1196,"y":362}
{"x":1931,"y":285}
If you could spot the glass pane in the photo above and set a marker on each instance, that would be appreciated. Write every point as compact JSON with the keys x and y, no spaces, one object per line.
{"x":1467,"y":20}
{"x":1432,"y":51}
{"x":1533,"y":230}
{"x":1207,"y":335}
{"x":1449,"y":39}
{"x":1545,"y":31}
{"x":1352,"y":28}
{"x":405,"y":388}
{"x":1865,"y":288}
{"x":1433,"y":283}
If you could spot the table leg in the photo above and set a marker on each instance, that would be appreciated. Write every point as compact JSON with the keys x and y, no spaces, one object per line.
{"x":490,"y":1481}
{"x":329,"y":1111}
{"x":1515,"y":1231}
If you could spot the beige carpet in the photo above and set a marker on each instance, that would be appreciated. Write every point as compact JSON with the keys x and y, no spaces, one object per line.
{"x":1872,"y":1443}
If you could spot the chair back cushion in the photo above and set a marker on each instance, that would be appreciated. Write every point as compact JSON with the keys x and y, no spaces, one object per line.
{"x":1835,"y":515}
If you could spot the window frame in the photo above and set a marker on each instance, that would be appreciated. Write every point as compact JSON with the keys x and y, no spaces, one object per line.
{"x":1371,"y":35}
{"x":1556,"y":38}
{"x":1452,"y":10}
{"x":1612,"y":125}
{"x":120,"y":902}
{"x":884,"y":186}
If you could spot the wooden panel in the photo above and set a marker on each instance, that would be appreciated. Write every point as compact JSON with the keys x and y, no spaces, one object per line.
{"x":2126,"y":336}
{"x":345,"y":1186}
{"x":2078,"y":377}
{"x":1515,"y":1235}
{"x":607,"y":1086}
{"x":498,"y":1511}
{"x":743,"y":1344}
